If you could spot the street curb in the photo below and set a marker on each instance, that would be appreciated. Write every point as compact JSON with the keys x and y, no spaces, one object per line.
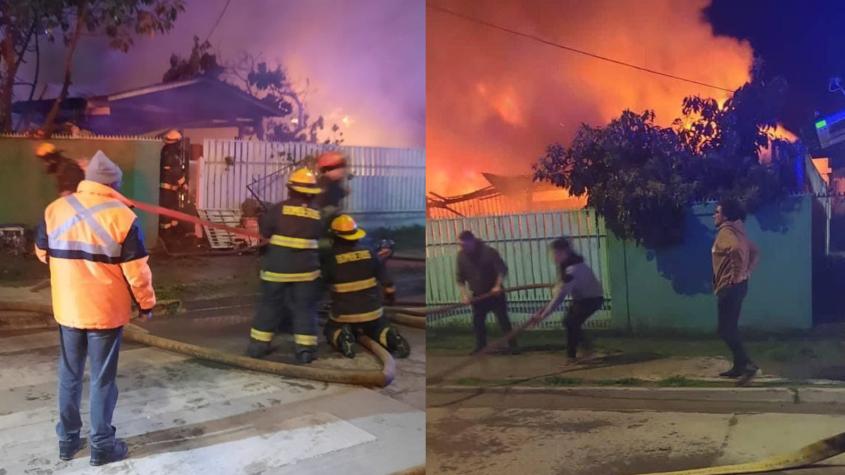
{"x":765,"y":395}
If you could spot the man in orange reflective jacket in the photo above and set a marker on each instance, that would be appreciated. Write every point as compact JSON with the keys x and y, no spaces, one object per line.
{"x":98,"y":267}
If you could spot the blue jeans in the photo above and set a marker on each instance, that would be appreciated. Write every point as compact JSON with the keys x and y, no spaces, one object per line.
{"x":101,"y":347}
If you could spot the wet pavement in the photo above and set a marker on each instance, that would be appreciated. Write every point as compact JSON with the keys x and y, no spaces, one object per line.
{"x":184,"y":415}
{"x":504,"y":434}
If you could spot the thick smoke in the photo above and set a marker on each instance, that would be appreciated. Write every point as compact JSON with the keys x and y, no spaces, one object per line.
{"x":494,"y":100}
{"x":365,"y":59}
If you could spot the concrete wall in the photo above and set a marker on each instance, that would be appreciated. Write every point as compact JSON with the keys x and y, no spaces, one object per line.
{"x":671,"y":289}
{"x":25,"y":189}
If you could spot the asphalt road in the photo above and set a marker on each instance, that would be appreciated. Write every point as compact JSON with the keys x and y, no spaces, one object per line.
{"x":500,"y":433}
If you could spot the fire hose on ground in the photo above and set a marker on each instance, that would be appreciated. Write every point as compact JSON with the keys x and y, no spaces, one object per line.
{"x":399,"y":315}
{"x":138,"y":334}
{"x":808,"y":455}
{"x":813,"y":453}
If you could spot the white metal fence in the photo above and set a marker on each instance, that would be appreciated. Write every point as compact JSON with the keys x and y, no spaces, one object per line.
{"x":387,"y":181}
{"x":523,"y":242}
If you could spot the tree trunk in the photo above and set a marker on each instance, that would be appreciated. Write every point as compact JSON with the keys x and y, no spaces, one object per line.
{"x":7,"y":52}
{"x":49,"y":122}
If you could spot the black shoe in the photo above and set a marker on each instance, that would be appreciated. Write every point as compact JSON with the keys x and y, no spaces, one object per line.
{"x":305,"y":356}
{"x":258,"y":349}
{"x":747,"y":375}
{"x":116,"y":453}
{"x":732,"y":373}
{"x":68,"y":449}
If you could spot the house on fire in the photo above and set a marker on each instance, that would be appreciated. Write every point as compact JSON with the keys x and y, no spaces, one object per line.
{"x":201,"y":108}
{"x":505,"y":195}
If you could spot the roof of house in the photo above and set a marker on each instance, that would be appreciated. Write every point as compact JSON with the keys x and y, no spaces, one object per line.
{"x":198,"y":102}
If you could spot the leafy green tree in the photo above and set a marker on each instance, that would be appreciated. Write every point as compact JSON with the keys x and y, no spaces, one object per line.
{"x":25,"y":21}
{"x":641,"y":177}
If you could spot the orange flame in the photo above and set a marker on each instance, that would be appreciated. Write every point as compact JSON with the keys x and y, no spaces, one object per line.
{"x":495,"y":101}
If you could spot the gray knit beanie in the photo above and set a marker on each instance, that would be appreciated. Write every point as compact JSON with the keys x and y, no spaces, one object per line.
{"x":102,"y":170}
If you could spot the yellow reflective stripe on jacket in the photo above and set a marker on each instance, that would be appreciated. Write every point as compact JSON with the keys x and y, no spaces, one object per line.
{"x":352,"y":256}
{"x":301,"y":211}
{"x":293,"y":243}
{"x":300,"y":277}
{"x":358,"y":317}
{"x":260,"y":335}
{"x":306,"y":340}
{"x":355,"y":286}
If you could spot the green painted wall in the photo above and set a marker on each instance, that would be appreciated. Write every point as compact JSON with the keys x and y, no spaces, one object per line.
{"x":672,"y":289}
{"x":25,"y":189}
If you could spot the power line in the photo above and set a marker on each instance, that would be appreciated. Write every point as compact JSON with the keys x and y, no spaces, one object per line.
{"x":571,"y":49}
{"x":219,"y":17}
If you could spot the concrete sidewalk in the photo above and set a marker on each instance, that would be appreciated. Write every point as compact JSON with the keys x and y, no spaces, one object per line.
{"x":550,"y":369}
{"x":182,"y":415}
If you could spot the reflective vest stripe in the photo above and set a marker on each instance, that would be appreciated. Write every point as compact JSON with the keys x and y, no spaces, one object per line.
{"x":305,"y":340}
{"x":110,"y":248}
{"x":301,"y":212}
{"x":82,"y":216}
{"x":83,"y":247}
{"x":293,"y":243}
{"x":358,"y":317}
{"x":300,"y":277}
{"x":260,"y":335}
{"x":355,"y":286}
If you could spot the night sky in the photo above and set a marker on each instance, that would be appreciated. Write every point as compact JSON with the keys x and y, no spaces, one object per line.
{"x":801,"y":40}
{"x":364,"y":58}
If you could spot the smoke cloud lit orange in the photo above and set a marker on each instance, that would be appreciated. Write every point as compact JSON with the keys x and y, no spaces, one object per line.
{"x":495,"y":100}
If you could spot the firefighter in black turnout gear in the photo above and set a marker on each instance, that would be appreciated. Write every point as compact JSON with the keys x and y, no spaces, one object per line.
{"x":173,"y":180}
{"x":290,"y":270}
{"x":357,"y":279}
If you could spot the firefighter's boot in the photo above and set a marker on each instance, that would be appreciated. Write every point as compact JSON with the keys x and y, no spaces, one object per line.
{"x":396,"y":343}
{"x":258,"y":349}
{"x":305,"y":354}
{"x":345,"y":342}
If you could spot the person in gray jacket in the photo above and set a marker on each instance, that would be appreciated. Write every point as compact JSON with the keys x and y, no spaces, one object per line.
{"x":578,"y":280}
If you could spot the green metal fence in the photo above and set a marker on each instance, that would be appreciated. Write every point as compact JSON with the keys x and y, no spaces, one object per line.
{"x":523,"y":241}
{"x":25,"y":189}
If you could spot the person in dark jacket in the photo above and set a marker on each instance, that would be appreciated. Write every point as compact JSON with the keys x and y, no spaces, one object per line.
{"x":67,"y":171}
{"x":357,"y":279}
{"x":734,"y":258}
{"x":578,"y":280}
{"x":481,"y":272}
{"x":290,"y":270}
{"x":173,"y":181}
